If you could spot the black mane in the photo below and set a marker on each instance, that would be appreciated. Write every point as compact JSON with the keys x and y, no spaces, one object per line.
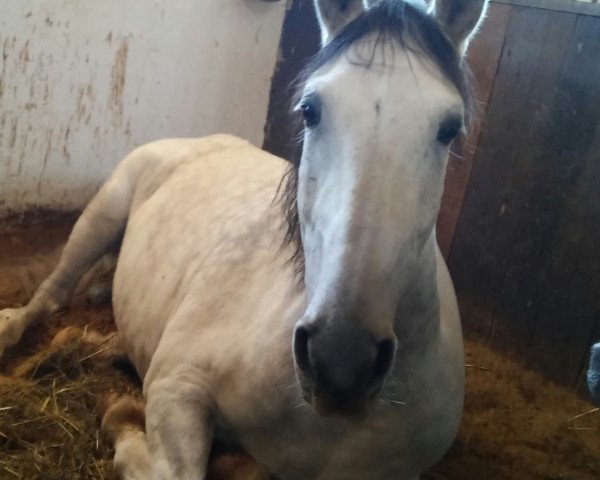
{"x":388,"y":20}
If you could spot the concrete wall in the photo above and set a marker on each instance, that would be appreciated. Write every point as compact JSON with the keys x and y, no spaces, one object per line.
{"x":82,"y":82}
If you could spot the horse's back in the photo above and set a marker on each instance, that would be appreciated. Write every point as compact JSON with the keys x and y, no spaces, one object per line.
{"x":149,"y":166}
{"x":201,"y":219}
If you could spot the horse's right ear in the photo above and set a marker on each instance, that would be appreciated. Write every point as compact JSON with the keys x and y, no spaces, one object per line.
{"x":333,"y":15}
{"x":459,"y":19}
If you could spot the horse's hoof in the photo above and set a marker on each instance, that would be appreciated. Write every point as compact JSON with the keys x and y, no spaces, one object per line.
{"x":12,"y":326}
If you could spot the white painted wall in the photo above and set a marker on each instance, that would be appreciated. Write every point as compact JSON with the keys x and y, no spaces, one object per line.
{"x":82,"y":82}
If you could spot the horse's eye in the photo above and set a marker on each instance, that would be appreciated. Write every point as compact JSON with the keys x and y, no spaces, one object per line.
{"x":311,"y":112}
{"x":449,"y":130}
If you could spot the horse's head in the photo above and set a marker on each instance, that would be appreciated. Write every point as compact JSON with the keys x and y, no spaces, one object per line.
{"x":382,"y":102}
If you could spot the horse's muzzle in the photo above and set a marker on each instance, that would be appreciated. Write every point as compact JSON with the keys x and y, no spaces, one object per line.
{"x":341,"y":368}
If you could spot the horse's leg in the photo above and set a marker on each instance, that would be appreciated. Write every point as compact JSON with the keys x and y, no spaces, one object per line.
{"x":103,"y":349}
{"x":97,"y":229}
{"x":179,"y":426}
{"x":123,"y":423}
{"x":98,"y":348}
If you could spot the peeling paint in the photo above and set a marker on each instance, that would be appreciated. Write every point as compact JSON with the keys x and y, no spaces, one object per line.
{"x":118,"y":77}
{"x":66,"y":153}
{"x":24,"y":54}
{"x":12,"y":140}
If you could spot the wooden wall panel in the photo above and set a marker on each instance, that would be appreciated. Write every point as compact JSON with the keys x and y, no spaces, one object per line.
{"x":525,"y":231}
{"x":484,"y":55}
{"x":488,"y":222}
{"x":569,"y":215}
{"x":299,"y":41}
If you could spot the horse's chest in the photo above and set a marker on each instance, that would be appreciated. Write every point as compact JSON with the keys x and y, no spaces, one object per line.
{"x":399,"y":440}
{"x":391,"y":445}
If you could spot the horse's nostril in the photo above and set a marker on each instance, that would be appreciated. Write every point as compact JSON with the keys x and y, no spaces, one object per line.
{"x":383,"y":361}
{"x":301,"y":338}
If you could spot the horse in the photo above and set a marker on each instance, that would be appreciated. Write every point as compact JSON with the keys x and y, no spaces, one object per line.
{"x":325,"y":340}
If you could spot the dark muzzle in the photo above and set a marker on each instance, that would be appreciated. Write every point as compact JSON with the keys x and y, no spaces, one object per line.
{"x":341,"y":368}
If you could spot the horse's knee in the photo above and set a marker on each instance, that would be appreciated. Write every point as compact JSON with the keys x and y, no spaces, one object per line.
{"x":123,"y":423}
{"x":121,"y":416}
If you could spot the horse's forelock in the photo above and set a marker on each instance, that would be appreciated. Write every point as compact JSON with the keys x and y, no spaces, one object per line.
{"x":406,"y":24}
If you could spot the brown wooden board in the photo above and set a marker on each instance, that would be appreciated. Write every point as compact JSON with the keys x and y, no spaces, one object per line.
{"x":484,"y":55}
{"x":488,"y":221}
{"x":525,"y":230}
{"x":585,"y":7}
{"x":299,"y":41}
{"x":525,"y":275}
{"x":570,"y":217}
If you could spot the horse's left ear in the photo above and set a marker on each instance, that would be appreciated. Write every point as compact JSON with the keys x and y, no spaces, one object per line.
{"x":333,"y":15}
{"x":459,"y":19}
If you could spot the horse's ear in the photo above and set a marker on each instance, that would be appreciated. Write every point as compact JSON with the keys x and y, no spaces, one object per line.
{"x":459,"y":19}
{"x":333,"y":15}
